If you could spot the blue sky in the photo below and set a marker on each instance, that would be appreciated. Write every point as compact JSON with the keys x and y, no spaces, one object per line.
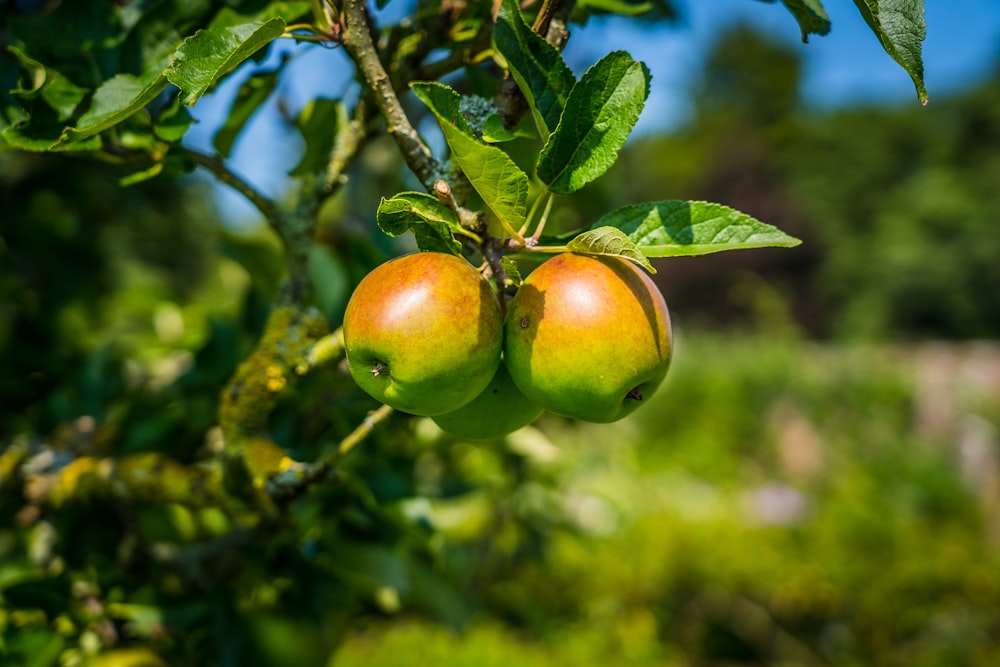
{"x":845,"y":67}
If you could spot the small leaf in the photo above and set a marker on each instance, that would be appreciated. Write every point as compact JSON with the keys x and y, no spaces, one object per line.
{"x":609,"y":241}
{"x":433,"y":224}
{"x":291,"y":12}
{"x":254,"y":91}
{"x":31,"y":82}
{"x":128,"y":657}
{"x":623,"y":7}
{"x":319,"y":122}
{"x":494,"y":132}
{"x":140,"y":176}
{"x":511,"y":269}
{"x":172,"y":121}
{"x":537,"y":67}
{"x":900,"y":27}
{"x":13,"y":138}
{"x":675,"y":228}
{"x":500,"y":182}
{"x":115,"y":100}
{"x":210,"y":54}
{"x":61,"y":94}
{"x":811,"y":16}
{"x":600,"y":113}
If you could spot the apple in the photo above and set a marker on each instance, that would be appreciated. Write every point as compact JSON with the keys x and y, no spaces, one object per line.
{"x":499,"y":410}
{"x":588,"y":337}
{"x":423,"y":333}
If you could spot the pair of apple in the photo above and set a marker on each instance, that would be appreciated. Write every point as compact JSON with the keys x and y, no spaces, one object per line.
{"x":585,"y":336}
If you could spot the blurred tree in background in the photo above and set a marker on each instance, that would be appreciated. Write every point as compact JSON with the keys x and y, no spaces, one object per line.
{"x":785,"y":499}
{"x":895,"y":204}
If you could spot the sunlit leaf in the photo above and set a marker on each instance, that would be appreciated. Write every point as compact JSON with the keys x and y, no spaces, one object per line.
{"x":674,"y":228}
{"x":33,"y":74}
{"x":609,"y":241}
{"x":432,"y":222}
{"x":128,"y":657}
{"x":623,"y":7}
{"x":511,"y":269}
{"x":494,"y":131}
{"x":600,"y":113}
{"x":901,"y":28}
{"x":117,"y":99}
{"x":500,"y":182}
{"x":210,"y":54}
{"x":140,"y":176}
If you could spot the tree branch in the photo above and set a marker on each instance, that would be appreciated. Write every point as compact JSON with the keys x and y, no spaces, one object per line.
{"x":150,"y":477}
{"x":254,"y":390}
{"x":363,"y":430}
{"x":357,"y":41}
{"x":272,"y":212}
{"x":292,"y":481}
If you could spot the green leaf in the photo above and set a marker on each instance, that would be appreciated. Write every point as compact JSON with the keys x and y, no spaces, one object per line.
{"x":901,"y":28}
{"x":600,"y":113}
{"x":645,"y":10}
{"x":537,"y":67}
{"x":623,"y":7}
{"x":290,"y":12}
{"x":173,"y":122}
{"x":128,"y":657}
{"x":500,"y":182}
{"x":140,"y":176}
{"x":811,"y":16}
{"x":433,"y":224}
{"x":320,"y":121}
{"x":13,"y":138}
{"x":31,"y":81}
{"x":210,"y":54}
{"x":61,"y":94}
{"x":115,"y":100}
{"x":494,"y":132}
{"x":675,"y":228}
{"x":511,"y":268}
{"x":609,"y":241}
{"x":254,"y":91}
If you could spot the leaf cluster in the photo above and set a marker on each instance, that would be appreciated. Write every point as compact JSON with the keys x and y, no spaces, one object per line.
{"x":177,"y":500}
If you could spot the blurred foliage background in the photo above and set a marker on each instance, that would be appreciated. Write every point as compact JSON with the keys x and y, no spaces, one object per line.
{"x":818,"y":483}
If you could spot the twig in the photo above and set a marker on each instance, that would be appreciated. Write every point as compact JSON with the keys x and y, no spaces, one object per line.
{"x":544,"y":17}
{"x":363,"y":430}
{"x":291,"y":482}
{"x":326,"y":350}
{"x":360,"y":47}
{"x":541,"y":222}
{"x":349,"y":142}
{"x":271,"y":211}
{"x":557,"y":31}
